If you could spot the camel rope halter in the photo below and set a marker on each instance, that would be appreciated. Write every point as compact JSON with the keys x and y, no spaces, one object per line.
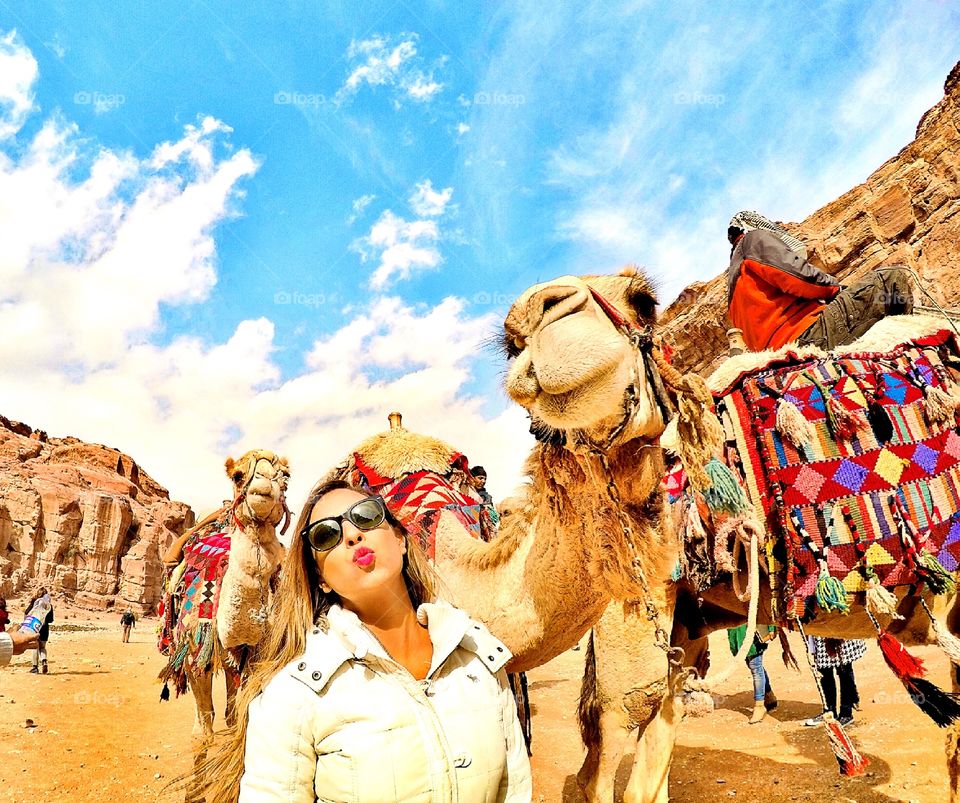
{"x":700,"y":436}
{"x":260,"y":615}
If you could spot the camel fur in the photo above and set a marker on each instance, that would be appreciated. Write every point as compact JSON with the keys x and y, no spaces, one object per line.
{"x":259,"y":481}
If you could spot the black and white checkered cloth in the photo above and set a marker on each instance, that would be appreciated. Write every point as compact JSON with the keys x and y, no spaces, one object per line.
{"x":846,"y":652}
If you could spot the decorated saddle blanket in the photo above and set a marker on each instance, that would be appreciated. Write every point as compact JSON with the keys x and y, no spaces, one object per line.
{"x":854,"y":460}
{"x":418,"y":499}
{"x":188,"y":632}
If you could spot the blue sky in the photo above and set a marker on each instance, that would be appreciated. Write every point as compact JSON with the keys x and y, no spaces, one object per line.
{"x":425,"y":162}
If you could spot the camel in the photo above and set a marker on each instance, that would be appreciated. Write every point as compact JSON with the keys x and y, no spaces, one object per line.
{"x":229,"y":594}
{"x":577,"y":374}
{"x":591,"y":528}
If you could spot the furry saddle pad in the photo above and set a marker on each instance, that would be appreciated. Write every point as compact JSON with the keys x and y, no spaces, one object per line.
{"x":422,"y":480}
{"x":871,"y":452}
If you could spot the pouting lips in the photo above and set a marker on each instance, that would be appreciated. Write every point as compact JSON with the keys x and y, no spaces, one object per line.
{"x":364,"y":556}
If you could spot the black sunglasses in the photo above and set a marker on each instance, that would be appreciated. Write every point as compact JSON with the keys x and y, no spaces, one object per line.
{"x":324,"y":534}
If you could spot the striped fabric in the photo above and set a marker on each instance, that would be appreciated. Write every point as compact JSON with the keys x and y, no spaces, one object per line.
{"x":831,"y":475}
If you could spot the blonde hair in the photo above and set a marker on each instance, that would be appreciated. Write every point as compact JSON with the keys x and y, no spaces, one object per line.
{"x":299,"y":604}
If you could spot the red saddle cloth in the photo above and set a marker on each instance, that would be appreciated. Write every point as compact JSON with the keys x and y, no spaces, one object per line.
{"x":877,"y":477}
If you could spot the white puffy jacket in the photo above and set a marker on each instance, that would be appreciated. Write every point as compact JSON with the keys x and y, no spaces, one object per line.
{"x":346,"y":723}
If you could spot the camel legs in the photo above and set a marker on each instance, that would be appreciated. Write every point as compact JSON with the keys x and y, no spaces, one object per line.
{"x":650,"y":777}
{"x":232,"y":681}
{"x":201,"y":685}
{"x":625,"y":685}
{"x":953,"y":734}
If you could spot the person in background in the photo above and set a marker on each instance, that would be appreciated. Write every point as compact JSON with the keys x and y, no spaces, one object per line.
{"x":776,"y":296}
{"x":480,"y":483}
{"x":834,"y":659}
{"x":127,"y":621}
{"x":4,"y":616}
{"x":40,"y":653}
{"x":764,"y":699}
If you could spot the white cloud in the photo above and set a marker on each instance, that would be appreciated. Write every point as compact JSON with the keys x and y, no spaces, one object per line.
{"x":401,"y":246}
{"x":359,"y":206}
{"x":428,"y":202}
{"x":385,"y":61}
{"x":94,"y":242}
{"x":18,"y":71}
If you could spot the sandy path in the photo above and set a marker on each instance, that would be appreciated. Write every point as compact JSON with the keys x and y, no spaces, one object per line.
{"x":101,"y":735}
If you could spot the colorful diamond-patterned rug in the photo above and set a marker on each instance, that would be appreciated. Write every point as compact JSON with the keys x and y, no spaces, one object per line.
{"x":188,"y":635}
{"x":873,"y":446}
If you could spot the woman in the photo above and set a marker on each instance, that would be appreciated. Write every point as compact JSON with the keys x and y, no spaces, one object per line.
{"x":834,"y":659}
{"x":764,"y":699}
{"x":366,"y":689}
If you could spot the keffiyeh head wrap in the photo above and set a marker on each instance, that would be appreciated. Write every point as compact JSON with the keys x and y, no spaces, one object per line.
{"x":750,"y":221}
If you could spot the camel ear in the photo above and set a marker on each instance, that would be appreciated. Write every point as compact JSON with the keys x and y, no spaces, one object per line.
{"x":233,"y":470}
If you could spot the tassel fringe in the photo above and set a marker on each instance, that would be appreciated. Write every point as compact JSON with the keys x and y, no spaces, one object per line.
{"x":950,"y":645}
{"x":724,"y":492}
{"x":831,"y":594}
{"x":881,"y":602}
{"x":940,"y":405}
{"x":904,"y":665}
{"x":846,"y":423}
{"x":880,"y":422}
{"x":165,"y":692}
{"x":852,"y":762}
{"x":943,"y":708}
{"x":938,"y":579}
{"x":792,"y":426}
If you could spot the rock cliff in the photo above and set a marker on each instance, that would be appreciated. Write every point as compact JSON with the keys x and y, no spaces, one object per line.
{"x":82,"y":519}
{"x":905,"y":213}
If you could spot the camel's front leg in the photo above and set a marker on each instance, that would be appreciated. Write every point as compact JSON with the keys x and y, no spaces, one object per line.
{"x":201,"y":684}
{"x":604,"y":728}
{"x":232,"y":680}
{"x":650,"y":777}
{"x":624,"y":688}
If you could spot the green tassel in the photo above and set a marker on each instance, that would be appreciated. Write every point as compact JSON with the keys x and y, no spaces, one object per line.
{"x":831,"y":594}
{"x":206,"y":648}
{"x":724,"y":492}
{"x":180,"y":656}
{"x":937,"y":578}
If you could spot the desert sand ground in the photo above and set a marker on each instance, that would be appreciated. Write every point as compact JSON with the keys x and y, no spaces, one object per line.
{"x":99,"y":732}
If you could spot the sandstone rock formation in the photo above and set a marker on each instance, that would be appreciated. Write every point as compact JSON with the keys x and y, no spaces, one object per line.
{"x":905,"y":213}
{"x":82,"y":519}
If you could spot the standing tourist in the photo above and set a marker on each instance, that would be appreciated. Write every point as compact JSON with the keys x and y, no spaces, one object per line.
{"x":127,"y":621}
{"x":367,"y":687}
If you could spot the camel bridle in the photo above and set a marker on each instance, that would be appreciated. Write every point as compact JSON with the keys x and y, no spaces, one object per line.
{"x":241,"y":497}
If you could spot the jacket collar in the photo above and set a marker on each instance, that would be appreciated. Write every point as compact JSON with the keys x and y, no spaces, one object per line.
{"x":348,"y":639}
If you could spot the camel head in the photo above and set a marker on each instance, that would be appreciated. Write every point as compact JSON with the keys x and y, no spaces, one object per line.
{"x":260,"y":483}
{"x":573,"y":368}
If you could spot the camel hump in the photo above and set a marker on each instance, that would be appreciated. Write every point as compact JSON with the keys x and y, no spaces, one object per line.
{"x":399,"y":452}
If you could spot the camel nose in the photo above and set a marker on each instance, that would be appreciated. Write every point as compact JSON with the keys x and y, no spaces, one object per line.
{"x":553,"y":303}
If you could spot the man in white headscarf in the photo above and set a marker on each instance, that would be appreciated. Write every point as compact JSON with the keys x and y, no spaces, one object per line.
{"x":776,"y":296}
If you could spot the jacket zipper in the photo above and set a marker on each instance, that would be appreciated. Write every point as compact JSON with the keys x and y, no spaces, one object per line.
{"x":423,"y":685}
